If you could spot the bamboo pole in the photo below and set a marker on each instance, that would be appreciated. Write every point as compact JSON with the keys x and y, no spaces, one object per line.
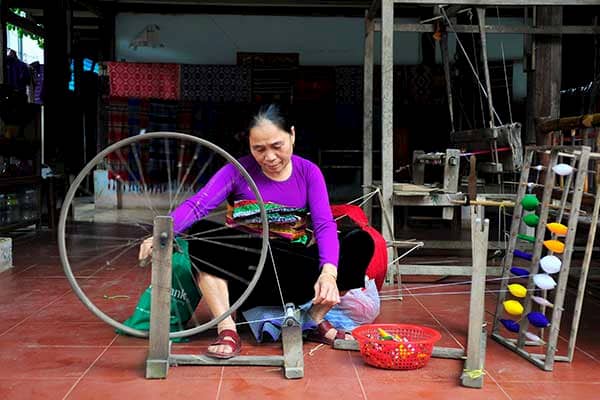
{"x":566,"y":123}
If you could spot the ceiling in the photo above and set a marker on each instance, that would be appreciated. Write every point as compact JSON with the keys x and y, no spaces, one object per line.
{"x":91,"y":17}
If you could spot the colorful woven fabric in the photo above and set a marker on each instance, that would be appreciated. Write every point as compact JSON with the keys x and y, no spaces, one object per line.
{"x":285,"y":222}
{"x":249,"y":208}
{"x":144,"y":80}
{"x":216,"y":83}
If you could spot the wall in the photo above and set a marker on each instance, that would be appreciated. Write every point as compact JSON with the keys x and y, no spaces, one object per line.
{"x":216,"y":39}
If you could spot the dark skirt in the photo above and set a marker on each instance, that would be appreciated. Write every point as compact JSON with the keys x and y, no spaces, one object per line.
{"x":228,"y":255}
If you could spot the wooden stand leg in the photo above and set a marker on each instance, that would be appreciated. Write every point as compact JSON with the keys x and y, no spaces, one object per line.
{"x":473,"y":370}
{"x":157,"y":363}
{"x":291,"y":337}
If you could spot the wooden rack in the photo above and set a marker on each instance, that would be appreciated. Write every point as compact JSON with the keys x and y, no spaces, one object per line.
{"x":570,"y":201}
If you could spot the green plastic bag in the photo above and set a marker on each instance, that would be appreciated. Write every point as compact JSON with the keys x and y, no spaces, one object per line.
{"x":185,"y":294}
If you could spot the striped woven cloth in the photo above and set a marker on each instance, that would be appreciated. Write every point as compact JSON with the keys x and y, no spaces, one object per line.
{"x":284,"y":222}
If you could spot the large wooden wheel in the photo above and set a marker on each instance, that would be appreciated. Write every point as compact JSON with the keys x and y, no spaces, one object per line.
{"x":109,"y":210}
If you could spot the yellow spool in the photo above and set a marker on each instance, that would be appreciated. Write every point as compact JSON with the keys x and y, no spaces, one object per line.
{"x":555,"y":246}
{"x":517,"y":290}
{"x":557,"y":229}
{"x":513,"y":307}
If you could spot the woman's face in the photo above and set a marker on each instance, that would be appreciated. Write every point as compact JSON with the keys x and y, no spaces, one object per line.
{"x":272,"y":148}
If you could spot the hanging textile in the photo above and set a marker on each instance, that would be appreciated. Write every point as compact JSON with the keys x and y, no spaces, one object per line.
{"x":37,"y":75}
{"x":216,"y":83}
{"x":348,"y":85}
{"x":144,"y":80}
{"x":130,"y":117}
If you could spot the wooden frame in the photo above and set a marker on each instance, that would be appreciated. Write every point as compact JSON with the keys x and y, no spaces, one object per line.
{"x":580,"y":156}
{"x":387,"y":25}
{"x":474,"y":355}
{"x":159,"y":350}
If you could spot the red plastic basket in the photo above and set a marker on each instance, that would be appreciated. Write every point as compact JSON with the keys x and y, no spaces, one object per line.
{"x":411,"y":349}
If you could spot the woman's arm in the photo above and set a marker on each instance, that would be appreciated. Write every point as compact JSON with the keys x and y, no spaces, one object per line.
{"x":207,"y":199}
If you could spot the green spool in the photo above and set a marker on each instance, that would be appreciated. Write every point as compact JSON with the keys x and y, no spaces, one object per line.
{"x":530,"y":202}
{"x":531,"y":220}
{"x":526,"y":238}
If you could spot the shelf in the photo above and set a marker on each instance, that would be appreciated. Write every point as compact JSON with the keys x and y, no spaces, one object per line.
{"x":21,"y":180}
{"x":20,"y":224}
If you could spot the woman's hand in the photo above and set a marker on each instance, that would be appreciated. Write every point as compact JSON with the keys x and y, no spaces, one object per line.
{"x":326,"y":290}
{"x":145,"y":251}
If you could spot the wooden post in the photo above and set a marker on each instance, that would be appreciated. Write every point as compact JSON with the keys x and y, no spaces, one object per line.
{"x":368,"y":113}
{"x":451,"y":177}
{"x":585,"y":268}
{"x":473,"y":371}
{"x":157,"y":363}
{"x":418,"y":168}
{"x":3,"y":39}
{"x":547,"y":77}
{"x":387,"y":120}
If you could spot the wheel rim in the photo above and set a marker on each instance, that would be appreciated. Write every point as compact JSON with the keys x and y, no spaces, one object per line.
{"x":68,"y":202}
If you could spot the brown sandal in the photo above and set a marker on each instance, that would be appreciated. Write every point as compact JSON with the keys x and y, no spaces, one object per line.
{"x":229,"y":338}
{"x":318,"y":335}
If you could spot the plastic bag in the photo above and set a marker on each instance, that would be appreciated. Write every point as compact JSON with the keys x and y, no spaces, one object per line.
{"x":361,"y":305}
{"x":185,"y":294}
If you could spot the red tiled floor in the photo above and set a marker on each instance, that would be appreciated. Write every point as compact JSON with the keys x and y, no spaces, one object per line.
{"x":23,"y":362}
{"x":52,"y":347}
{"x":35,"y":389}
{"x":140,"y":388}
{"x":41,"y":333}
{"x":552,"y":390}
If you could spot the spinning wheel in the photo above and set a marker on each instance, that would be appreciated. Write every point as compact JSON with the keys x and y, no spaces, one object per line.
{"x":110,"y":208}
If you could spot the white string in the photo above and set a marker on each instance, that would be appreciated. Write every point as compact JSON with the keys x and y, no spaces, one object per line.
{"x":505,"y":74}
{"x":390,"y":297}
{"x":261,"y":320}
{"x":420,"y":244}
{"x":276,"y":276}
{"x":437,"y":285}
{"x":469,"y":62}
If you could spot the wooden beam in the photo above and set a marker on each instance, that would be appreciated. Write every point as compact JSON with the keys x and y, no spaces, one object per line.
{"x":438,"y":352}
{"x":488,"y":3}
{"x":26,"y":24}
{"x":92,"y":6}
{"x":3,"y":40}
{"x":508,"y":29}
{"x":547,"y":125}
{"x":249,"y":3}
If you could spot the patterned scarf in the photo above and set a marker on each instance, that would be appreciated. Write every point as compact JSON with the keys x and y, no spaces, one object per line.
{"x":284,"y":222}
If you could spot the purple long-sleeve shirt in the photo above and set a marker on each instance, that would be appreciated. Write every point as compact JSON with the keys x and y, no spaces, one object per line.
{"x":305,"y":188}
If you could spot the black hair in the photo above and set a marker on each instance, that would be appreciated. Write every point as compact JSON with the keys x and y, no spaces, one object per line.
{"x":274,"y":114}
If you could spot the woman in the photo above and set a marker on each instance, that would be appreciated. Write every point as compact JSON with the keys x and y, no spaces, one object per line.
{"x":303,"y":272}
